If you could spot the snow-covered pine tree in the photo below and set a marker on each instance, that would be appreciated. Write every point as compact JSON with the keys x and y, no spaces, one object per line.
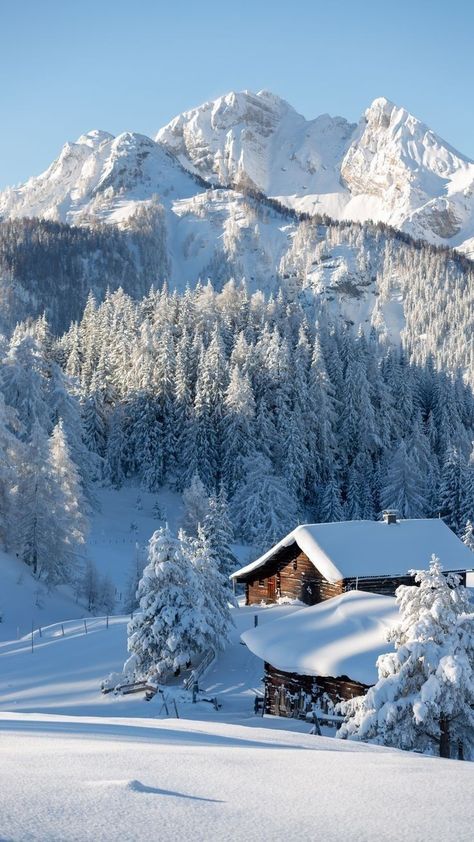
{"x":71,"y":503}
{"x":11,"y":454}
{"x":168,"y":630}
{"x":404,"y":487}
{"x":130,"y":599}
{"x":196,"y":506}
{"x":468,"y":536}
{"x":51,"y":525}
{"x":184,"y":432}
{"x":65,"y":406}
{"x":214,"y":590}
{"x":23,"y":381}
{"x":219,"y":532}
{"x":451,"y":498}
{"x":263,"y":509}
{"x":424,"y":697}
{"x":90,"y":585}
{"x":106,"y":594}
{"x":330,"y":509}
{"x":237,"y":427}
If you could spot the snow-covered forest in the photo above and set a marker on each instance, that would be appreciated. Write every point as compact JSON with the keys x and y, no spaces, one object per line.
{"x":262,"y":400}
{"x":409,"y":291}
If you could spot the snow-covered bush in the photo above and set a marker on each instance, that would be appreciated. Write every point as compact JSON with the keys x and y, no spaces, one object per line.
{"x":424,"y":698}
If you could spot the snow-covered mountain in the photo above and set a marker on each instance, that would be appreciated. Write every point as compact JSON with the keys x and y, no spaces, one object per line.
{"x":193,"y":204}
{"x":390,"y":168}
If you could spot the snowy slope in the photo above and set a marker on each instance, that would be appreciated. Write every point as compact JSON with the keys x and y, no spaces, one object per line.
{"x":24,"y":600}
{"x":88,"y":778}
{"x":99,"y":767}
{"x":64,"y":672}
{"x":105,"y":767}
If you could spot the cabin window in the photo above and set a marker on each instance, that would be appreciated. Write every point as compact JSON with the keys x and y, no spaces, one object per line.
{"x":261,"y":583}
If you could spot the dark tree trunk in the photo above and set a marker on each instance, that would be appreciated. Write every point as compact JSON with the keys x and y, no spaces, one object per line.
{"x":444,"y":742}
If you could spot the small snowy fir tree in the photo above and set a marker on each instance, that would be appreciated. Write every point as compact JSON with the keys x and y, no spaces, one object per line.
{"x":90,"y":585}
{"x":196,"y":506}
{"x":424,"y":698}
{"x":468,"y":536}
{"x":213,"y":587}
{"x":219,"y":532}
{"x":168,"y":630}
{"x":106,"y":595}
{"x":130,"y":599}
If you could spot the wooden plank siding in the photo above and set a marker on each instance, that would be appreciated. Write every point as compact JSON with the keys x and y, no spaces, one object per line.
{"x":287,"y":693}
{"x":290,"y":573}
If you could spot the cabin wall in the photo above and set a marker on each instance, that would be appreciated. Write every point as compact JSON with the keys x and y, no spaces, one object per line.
{"x":385,"y":586}
{"x":291,"y":575}
{"x":290,"y":694}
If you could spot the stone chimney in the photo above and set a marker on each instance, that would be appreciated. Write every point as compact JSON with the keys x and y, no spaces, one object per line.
{"x":390,"y":516}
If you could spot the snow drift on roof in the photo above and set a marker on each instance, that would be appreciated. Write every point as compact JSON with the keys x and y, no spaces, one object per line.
{"x":372,"y":548}
{"x":340,"y":636}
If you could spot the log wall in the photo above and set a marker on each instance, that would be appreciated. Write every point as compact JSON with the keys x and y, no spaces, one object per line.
{"x":284,"y":691}
{"x":290,"y":573}
{"x":293,"y":575}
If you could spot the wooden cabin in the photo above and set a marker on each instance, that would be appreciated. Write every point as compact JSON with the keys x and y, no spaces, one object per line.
{"x":319,"y":561}
{"x":322,"y":654}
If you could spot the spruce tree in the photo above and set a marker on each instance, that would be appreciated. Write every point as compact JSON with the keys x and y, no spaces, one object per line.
{"x":169,"y":629}
{"x":196,"y":506}
{"x":424,"y":697}
{"x":218,"y":530}
{"x":263,"y":507}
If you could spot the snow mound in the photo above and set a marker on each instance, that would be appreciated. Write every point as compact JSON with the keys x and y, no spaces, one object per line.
{"x":343,"y":636}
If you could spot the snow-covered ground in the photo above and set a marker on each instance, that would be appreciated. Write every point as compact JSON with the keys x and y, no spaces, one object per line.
{"x":83,"y":778}
{"x":24,"y":601}
{"x":63,"y":673}
{"x":78,"y":765}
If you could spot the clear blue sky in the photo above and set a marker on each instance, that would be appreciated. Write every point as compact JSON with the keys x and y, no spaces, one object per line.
{"x":67,"y":67}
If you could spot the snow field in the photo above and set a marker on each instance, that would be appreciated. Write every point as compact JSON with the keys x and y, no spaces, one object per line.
{"x":86,"y":778}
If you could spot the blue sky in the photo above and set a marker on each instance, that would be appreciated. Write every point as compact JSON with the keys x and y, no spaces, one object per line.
{"x":68,"y":67}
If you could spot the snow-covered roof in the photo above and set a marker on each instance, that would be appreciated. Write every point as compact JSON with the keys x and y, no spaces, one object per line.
{"x":372,"y":548}
{"x":340,"y":636}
